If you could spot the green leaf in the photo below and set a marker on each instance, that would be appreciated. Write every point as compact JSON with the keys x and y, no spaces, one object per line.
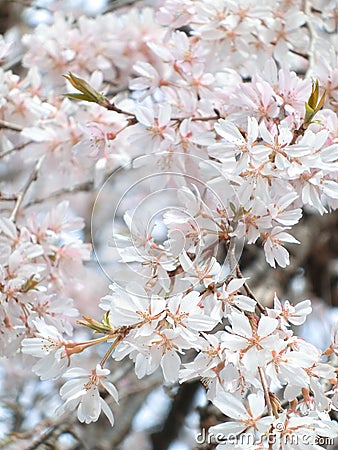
{"x":312,"y":106}
{"x":313,"y":99}
{"x":233,"y":207}
{"x":105,"y":319}
{"x":88,"y":93}
{"x":309,"y":113}
{"x":79,"y":97}
{"x":30,"y":284}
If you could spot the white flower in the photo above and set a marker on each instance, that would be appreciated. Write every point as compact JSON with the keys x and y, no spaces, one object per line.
{"x":285,"y":365}
{"x":228,"y":298}
{"x":204,"y":273}
{"x":50,"y":347}
{"x":148,"y":77}
{"x":274,"y":250}
{"x":186,"y":313}
{"x":82,"y":392}
{"x":153,"y":133}
{"x":243,"y":149}
{"x":206,"y":362}
{"x":294,"y":432}
{"x":249,"y":419}
{"x":126,"y":309}
{"x":161,"y":348}
{"x":250,"y":340}
{"x":290,"y":314}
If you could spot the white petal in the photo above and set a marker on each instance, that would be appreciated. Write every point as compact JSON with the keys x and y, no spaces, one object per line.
{"x":257,"y":404}
{"x":266,"y":326}
{"x":89,"y":409}
{"x":164,"y":114}
{"x":77,"y":372}
{"x":201,"y":323}
{"x":230,"y":132}
{"x":245,"y":303}
{"x":227,"y":428}
{"x":170,"y":364}
{"x":72,"y":389}
{"x":107,"y":411}
{"x":241,"y":325}
{"x":230,"y":406}
{"x":235,"y":284}
{"x":8,"y":227}
{"x":111,"y":389}
{"x":144,"y":116}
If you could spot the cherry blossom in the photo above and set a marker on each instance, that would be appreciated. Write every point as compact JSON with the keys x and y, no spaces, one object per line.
{"x":274,"y":250}
{"x":202,"y":131}
{"x":50,"y":347}
{"x":289,"y":314}
{"x":248,"y":420}
{"x":153,"y":132}
{"x":81,"y":392}
{"x":249,"y":342}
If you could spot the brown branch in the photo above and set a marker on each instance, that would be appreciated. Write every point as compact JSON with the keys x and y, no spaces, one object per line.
{"x":196,"y":119}
{"x":180,"y":408}
{"x":249,"y":292}
{"x":313,"y":37}
{"x":118,"y":4}
{"x":14,"y":149}
{"x":265,"y":387}
{"x":8,"y":197}
{"x":33,"y":176}
{"x":87,"y":186}
{"x":10,"y":125}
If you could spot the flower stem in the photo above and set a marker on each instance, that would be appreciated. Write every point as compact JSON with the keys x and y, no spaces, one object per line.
{"x":110,"y":351}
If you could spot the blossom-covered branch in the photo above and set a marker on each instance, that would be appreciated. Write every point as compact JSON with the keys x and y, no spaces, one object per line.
{"x":220,"y":144}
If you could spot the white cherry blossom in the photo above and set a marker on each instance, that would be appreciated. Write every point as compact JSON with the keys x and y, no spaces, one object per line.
{"x":248,"y":419}
{"x":50,"y":347}
{"x":81,"y":392}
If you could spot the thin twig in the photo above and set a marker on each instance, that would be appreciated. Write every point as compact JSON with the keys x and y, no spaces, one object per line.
{"x":196,"y":119}
{"x":249,"y":292}
{"x":117,"y":4}
{"x":133,"y":119}
{"x":33,"y":176}
{"x":82,"y":187}
{"x":265,"y":390}
{"x":110,"y":351}
{"x":10,"y":125}
{"x":8,"y":197}
{"x":14,"y":149}
{"x":313,"y":37}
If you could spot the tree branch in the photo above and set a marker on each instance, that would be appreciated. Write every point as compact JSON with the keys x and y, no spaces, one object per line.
{"x":87,"y":186}
{"x":14,"y":149}
{"x":180,"y":408}
{"x":10,"y":125}
{"x":117,"y":4}
{"x":265,"y":387}
{"x":33,"y":176}
{"x":313,"y":37}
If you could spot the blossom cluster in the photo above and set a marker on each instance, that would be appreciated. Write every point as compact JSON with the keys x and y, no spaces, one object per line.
{"x":227,"y":110}
{"x":37,"y":261}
